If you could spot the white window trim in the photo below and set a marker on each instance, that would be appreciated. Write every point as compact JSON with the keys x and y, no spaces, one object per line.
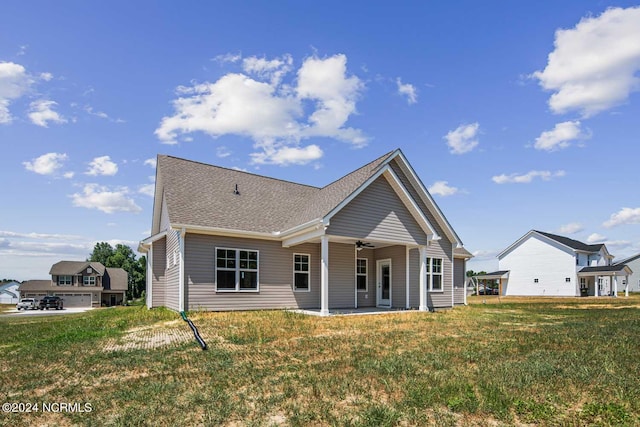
{"x":237,"y":270}
{"x":430,"y":275}
{"x":366,"y":274}
{"x":307,"y":272}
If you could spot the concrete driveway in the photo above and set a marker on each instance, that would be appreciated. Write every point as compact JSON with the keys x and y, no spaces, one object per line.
{"x":70,"y":310}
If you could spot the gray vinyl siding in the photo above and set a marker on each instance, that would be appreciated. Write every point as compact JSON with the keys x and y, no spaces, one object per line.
{"x":342,"y":273}
{"x":158,"y":284}
{"x":414,"y":278}
{"x":441,"y":249}
{"x":368,"y":299}
{"x":275,"y":279}
{"x":172,"y":292}
{"x":377,"y":214}
{"x":458,"y":280}
{"x":398,"y":273}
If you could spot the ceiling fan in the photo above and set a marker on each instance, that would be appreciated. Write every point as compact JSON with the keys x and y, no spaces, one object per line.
{"x":361,"y":245}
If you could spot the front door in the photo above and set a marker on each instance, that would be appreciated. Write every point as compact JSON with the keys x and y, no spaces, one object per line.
{"x":383,"y":277}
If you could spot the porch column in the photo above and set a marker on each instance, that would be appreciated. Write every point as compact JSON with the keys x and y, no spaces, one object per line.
{"x":626,"y":285}
{"x":596,"y":287}
{"x":615,"y":286}
{"x":407,"y":276}
{"x":149,"y":290}
{"x":324,"y":276}
{"x":423,"y":278}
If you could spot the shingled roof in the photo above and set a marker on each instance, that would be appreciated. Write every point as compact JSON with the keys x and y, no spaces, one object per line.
{"x":573,"y":244}
{"x":63,"y":268}
{"x":199,"y":194}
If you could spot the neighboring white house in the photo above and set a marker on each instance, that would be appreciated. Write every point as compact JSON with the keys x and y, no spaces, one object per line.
{"x":633,"y":262}
{"x":9,"y":293}
{"x":545,"y":264}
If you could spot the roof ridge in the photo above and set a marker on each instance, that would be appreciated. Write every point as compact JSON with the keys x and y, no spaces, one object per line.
{"x":360,"y":168}
{"x":239,"y":171}
{"x":554,"y":236}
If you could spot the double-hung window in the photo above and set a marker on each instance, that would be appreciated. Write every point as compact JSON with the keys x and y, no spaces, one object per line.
{"x":301,"y":272}
{"x":236,"y":270}
{"x":434,"y":274}
{"x":361,"y":274}
{"x":89,"y":280}
{"x":65,"y":280}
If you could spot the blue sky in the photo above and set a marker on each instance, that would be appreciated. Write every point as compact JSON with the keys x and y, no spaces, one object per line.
{"x":517,"y":115}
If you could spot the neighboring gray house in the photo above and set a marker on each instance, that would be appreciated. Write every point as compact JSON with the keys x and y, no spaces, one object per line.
{"x":9,"y":293}
{"x":81,"y":284}
{"x":223,"y":239}
{"x":633,"y":262}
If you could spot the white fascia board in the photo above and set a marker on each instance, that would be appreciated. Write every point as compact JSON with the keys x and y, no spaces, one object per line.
{"x":198,"y":229}
{"x":409,"y":203}
{"x":541,"y":236}
{"x":313,"y":224}
{"x":301,"y":238}
{"x":425,"y":193}
{"x":144,"y":245}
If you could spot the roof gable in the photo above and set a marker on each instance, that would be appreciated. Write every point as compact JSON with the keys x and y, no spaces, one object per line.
{"x":540,"y":236}
{"x":573,"y":244}
{"x":74,"y":267}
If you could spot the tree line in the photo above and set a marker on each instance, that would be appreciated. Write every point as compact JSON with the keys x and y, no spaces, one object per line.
{"x":122,"y":256}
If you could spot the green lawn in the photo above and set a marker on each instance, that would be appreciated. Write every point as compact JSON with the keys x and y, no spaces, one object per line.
{"x":506,"y":362}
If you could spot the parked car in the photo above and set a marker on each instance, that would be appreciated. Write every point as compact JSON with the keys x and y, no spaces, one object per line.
{"x":27,"y":304}
{"x":488,"y":291}
{"x":50,"y":302}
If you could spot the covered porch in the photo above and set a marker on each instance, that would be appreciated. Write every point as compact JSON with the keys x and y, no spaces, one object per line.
{"x":497,"y":278}
{"x":604,"y":280}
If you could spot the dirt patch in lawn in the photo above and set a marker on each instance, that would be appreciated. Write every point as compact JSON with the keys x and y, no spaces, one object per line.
{"x":150,"y":337}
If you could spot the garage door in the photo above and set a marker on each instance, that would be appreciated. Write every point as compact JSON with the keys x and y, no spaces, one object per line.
{"x":76,"y":300}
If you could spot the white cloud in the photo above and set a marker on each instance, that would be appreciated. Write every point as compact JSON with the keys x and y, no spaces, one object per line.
{"x":46,"y":76}
{"x":68,"y":175}
{"x":273,"y":70}
{"x":596,"y":238}
{"x":47,"y":164}
{"x":442,"y":188}
{"x":288,"y":155}
{"x":147,"y":189}
{"x":101,"y":114}
{"x":102,"y":166}
{"x":527,"y":178}
{"x":33,"y":235}
{"x":223,"y":152}
{"x":273,"y":114}
{"x":560,"y":136}
{"x":228,"y":57}
{"x":463,"y":139}
{"x":107,"y":200}
{"x":42,"y":112}
{"x":408,"y":90}
{"x":484,"y":254}
{"x":238,"y":168}
{"x":623,"y":216}
{"x":14,"y":83}
{"x":594,"y":66}
{"x":151,"y":162}
{"x":571,"y":228}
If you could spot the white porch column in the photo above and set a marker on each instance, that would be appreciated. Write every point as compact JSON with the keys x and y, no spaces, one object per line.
{"x":149,"y":290}
{"x":596,"y":286}
{"x":407,"y":276}
{"x":626,"y":286}
{"x":183,"y":233}
{"x":324,"y":276}
{"x":615,"y":286}
{"x":423,"y":278}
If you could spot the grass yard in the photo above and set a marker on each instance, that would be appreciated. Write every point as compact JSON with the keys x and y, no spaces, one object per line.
{"x":507,"y":362}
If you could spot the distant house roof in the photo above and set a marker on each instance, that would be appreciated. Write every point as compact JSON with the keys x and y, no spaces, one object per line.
{"x":7,"y":285}
{"x":606,"y":269}
{"x":37,"y":285}
{"x":74,"y":267}
{"x":628,"y":260}
{"x":573,"y":244}
{"x":118,"y":280}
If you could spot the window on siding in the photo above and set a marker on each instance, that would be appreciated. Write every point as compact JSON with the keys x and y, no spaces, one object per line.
{"x":65,"y":280}
{"x":236,"y":270}
{"x":583,"y":283}
{"x":567,"y":279}
{"x":89,"y":280}
{"x":301,"y":272}
{"x":361,"y":274}
{"x":535,"y":280}
{"x":434,"y":274}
